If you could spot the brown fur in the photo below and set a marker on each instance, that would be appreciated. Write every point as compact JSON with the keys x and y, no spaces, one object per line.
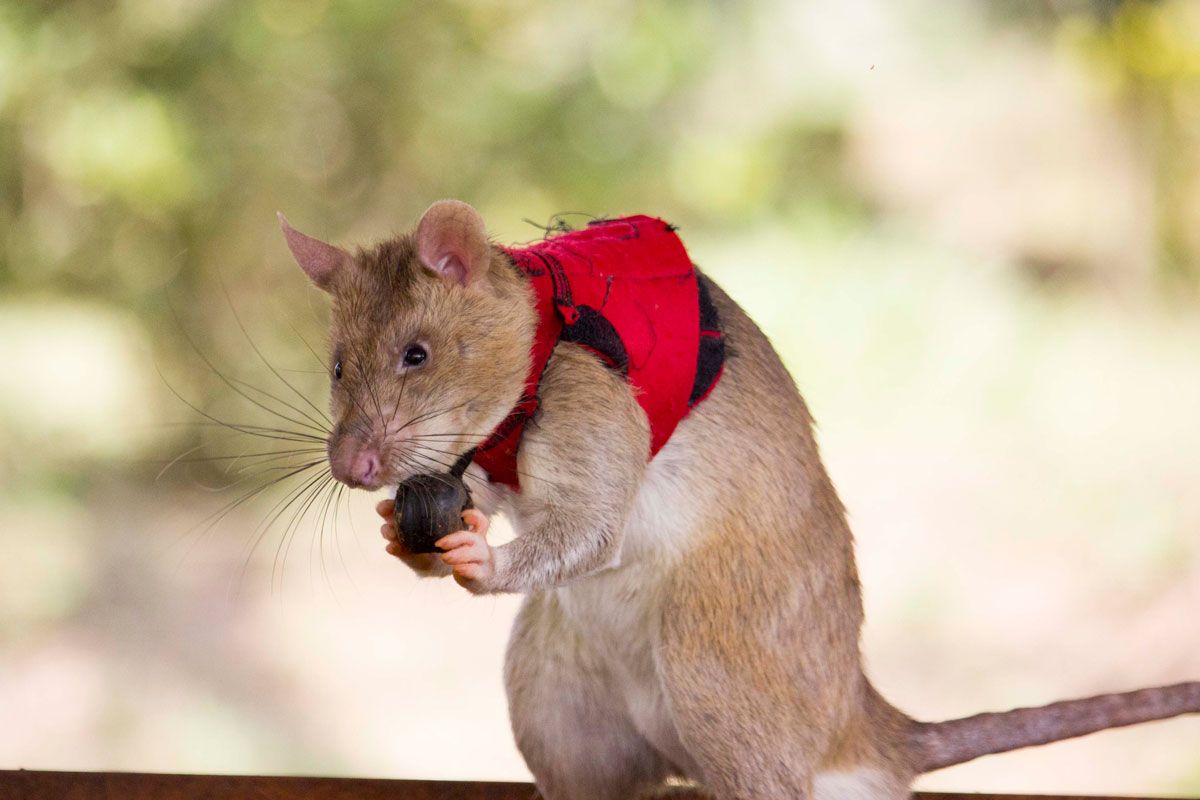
{"x":695,"y":617}
{"x":478,"y":340}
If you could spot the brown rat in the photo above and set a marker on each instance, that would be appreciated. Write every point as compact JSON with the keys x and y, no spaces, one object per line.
{"x":693,"y":616}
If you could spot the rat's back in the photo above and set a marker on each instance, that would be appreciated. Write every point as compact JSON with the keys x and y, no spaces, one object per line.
{"x":736,"y":576}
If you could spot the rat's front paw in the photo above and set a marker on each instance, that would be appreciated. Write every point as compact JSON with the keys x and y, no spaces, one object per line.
{"x":469,"y":555}
{"x":426,"y":565}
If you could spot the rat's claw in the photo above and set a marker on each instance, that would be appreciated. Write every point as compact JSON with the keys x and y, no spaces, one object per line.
{"x":388,"y":529}
{"x":463,"y":540}
{"x":386,"y":508}
{"x":476,"y":521}
{"x":424,"y":564}
{"x":471,"y":557}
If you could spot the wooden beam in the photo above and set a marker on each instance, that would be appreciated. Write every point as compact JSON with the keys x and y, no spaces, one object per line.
{"x":40,"y":785}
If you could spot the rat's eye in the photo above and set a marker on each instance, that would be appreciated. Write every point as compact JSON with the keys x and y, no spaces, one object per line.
{"x":415,"y":355}
{"x":337,"y":370}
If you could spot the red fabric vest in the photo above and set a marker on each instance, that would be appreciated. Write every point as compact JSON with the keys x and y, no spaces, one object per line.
{"x":626,"y":290}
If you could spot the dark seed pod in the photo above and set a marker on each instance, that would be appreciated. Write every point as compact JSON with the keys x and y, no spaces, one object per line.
{"x":429,"y":507}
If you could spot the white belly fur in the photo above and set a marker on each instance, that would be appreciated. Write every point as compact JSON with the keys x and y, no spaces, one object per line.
{"x":617,"y":609}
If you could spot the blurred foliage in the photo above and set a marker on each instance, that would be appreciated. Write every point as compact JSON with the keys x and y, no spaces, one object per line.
{"x":986,"y":205}
{"x":145,"y":142}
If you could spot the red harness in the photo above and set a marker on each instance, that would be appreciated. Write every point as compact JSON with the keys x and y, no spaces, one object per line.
{"x":626,"y":290}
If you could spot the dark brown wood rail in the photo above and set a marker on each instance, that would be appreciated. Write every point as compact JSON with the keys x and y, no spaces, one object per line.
{"x":39,"y":785}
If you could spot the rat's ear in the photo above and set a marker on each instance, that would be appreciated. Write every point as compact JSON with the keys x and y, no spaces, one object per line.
{"x":452,"y":241}
{"x":320,"y":261}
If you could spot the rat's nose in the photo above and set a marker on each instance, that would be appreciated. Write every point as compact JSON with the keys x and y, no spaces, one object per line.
{"x":365,"y":467}
{"x":357,"y":467}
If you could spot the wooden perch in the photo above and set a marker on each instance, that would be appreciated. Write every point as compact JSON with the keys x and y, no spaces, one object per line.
{"x":38,"y":785}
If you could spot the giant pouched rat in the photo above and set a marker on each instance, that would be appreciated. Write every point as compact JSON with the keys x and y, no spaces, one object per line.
{"x":695,"y":614}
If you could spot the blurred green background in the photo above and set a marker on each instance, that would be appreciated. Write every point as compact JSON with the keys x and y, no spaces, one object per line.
{"x":969,"y":227}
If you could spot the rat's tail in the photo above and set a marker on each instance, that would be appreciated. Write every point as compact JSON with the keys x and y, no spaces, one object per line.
{"x":941,"y":744}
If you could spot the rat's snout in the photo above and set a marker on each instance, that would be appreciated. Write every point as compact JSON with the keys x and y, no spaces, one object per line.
{"x":356,"y":463}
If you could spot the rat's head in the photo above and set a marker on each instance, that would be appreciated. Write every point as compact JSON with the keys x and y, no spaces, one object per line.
{"x":430,"y":334}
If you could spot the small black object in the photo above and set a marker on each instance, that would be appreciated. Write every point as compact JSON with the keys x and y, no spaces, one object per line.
{"x":430,"y":506}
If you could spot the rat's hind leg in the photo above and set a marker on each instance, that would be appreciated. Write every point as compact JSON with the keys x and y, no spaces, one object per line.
{"x":771,"y":706}
{"x":570,"y":727}
{"x":742,"y":749}
{"x":762,"y":676}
